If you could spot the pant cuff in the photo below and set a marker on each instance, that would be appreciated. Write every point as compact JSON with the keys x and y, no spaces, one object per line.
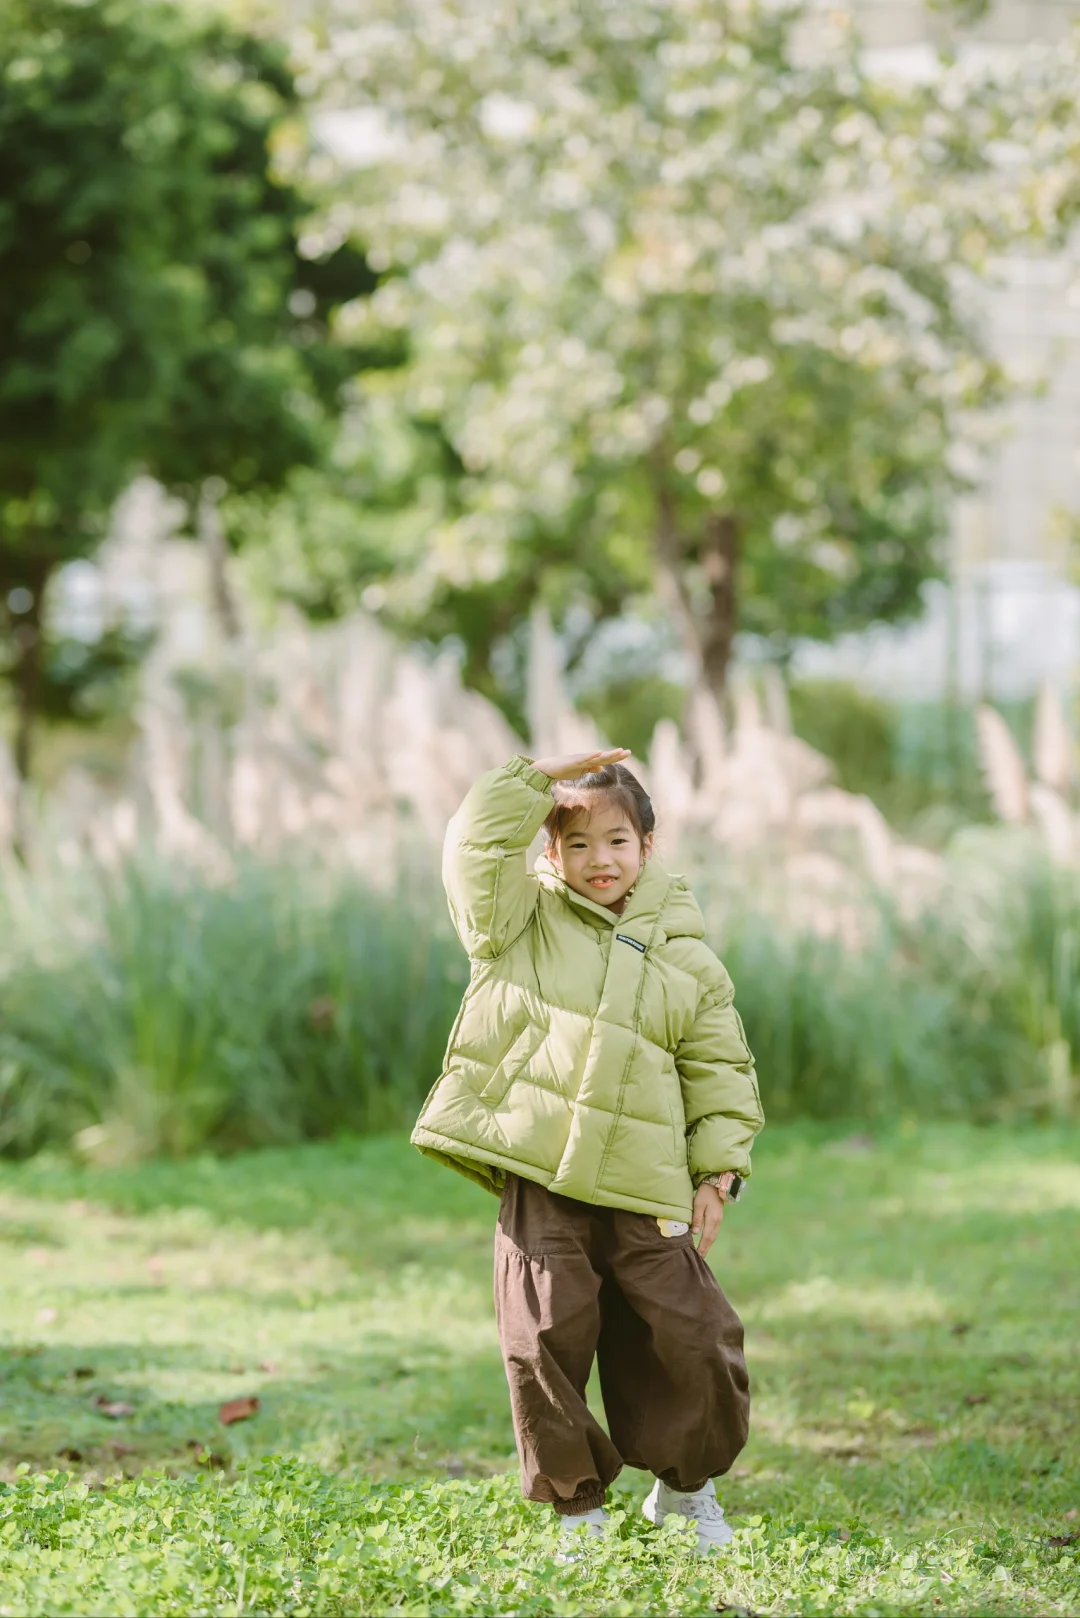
{"x":580,"y":1503}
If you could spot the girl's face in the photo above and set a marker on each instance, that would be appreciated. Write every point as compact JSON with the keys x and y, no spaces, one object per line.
{"x":601,"y":855}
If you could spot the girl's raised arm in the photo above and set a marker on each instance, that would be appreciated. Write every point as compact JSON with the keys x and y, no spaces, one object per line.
{"x":491,"y":894}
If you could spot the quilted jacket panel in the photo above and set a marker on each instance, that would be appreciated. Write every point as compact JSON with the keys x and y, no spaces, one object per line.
{"x":614,"y":1074}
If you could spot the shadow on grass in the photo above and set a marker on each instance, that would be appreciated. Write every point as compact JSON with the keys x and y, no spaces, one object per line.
{"x":395,"y":1410}
{"x":911,"y":1339}
{"x":375,"y":1203}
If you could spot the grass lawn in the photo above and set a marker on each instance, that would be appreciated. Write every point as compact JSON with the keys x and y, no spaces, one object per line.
{"x":912,"y":1332}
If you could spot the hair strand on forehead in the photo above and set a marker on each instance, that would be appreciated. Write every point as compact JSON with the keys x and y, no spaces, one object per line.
{"x":615,"y":785}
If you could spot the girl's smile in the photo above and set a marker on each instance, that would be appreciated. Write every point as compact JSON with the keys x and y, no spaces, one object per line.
{"x":600,"y":854}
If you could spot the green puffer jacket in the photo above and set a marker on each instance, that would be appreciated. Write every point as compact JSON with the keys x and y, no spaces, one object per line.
{"x":597,"y":1054}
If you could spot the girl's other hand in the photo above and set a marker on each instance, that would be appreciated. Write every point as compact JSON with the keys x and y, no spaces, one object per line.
{"x":708,"y":1212}
{"x":571,"y":765}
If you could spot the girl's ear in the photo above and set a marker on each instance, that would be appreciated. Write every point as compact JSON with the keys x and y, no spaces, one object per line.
{"x":647,"y":846}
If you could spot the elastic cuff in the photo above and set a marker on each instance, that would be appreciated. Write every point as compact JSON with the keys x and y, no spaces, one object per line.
{"x":580,"y":1504}
{"x":526,"y":771}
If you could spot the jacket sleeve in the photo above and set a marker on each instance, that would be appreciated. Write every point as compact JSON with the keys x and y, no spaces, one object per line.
{"x":491,"y":893}
{"x":719,"y":1086}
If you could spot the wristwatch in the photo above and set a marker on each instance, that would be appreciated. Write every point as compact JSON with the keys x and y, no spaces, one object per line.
{"x":729,"y":1185}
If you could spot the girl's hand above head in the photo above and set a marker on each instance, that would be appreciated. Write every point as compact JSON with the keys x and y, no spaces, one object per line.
{"x":571,"y":765}
{"x":708,"y":1212}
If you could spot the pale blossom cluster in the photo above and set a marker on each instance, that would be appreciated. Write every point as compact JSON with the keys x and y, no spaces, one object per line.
{"x":614,"y":226}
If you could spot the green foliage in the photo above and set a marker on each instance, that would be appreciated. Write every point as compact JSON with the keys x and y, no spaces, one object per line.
{"x":336,"y":535}
{"x":632,"y":709}
{"x":169,"y":1013}
{"x":918,"y":761}
{"x":156,"y":309}
{"x":913,"y":1447}
{"x":970,"y":1009}
{"x":88,"y":681}
{"x":878,"y":1032}
{"x":262,"y":376}
{"x":177,"y":1013}
{"x":156,"y":306}
{"x":287,"y":1538}
{"x":102,"y":186}
{"x":852,"y":727}
{"x":692,"y":294}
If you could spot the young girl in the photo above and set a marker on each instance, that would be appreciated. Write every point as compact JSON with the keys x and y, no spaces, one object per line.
{"x":598,"y":1079}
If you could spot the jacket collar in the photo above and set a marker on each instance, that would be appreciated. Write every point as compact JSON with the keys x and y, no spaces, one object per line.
{"x":644,"y":904}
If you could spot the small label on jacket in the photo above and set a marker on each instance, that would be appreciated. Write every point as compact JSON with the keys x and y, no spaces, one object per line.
{"x":672,"y":1227}
{"x":631,"y":941}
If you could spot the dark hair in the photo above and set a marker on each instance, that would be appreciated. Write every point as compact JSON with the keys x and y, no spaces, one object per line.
{"x":616,"y":785}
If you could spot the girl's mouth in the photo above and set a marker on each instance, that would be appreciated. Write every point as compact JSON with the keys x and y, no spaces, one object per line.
{"x":601,"y":881}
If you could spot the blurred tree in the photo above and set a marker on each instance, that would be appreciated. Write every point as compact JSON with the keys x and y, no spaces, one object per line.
{"x":330,"y":536}
{"x":261,"y":383}
{"x":96,"y":304}
{"x":690,"y":289}
{"x":156,"y":307}
{"x":87,"y":681}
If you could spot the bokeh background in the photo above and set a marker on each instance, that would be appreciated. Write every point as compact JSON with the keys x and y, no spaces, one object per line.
{"x":388,"y":386}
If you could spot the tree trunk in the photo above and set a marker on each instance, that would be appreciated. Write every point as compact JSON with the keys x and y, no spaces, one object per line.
{"x":27,"y":633}
{"x":707,"y":636}
{"x":212,"y":534}
{"x":719,"y":559}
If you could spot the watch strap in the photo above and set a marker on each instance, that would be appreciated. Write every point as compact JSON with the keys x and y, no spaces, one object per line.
{"x":729,"y":1184}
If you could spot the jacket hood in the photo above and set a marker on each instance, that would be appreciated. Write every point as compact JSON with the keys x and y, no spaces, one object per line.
{"x":656,"y":896}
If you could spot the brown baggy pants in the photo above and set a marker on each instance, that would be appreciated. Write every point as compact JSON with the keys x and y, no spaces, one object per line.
{"x":572,"y":1282}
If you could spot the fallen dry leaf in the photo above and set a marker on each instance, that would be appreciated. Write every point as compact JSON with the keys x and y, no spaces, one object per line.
{"x":1072,"y":1514}
{"x":115,"y":1409}
{"x":238,"y":1410}
{"x":1059,"y":1541}
{"x":122,"y":1449}
{"x":959,"y":1327}
{"x":69,"y":1454}
{"x":320,"y":1012}
{"x":268,"y":1366}
{"x":236,"y":1370}
{"x":976,"y":1398}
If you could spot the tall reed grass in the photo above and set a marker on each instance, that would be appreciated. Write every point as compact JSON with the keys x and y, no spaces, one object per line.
{"x":163,"y":1013}
{"x":148,"y":1010}
{"x":970,"y":1009}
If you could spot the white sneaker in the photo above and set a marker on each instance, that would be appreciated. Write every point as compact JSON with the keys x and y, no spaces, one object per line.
{"x":587,"y":1523}
{"x":594,"y":1521}
{"x":703,"y":1509}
